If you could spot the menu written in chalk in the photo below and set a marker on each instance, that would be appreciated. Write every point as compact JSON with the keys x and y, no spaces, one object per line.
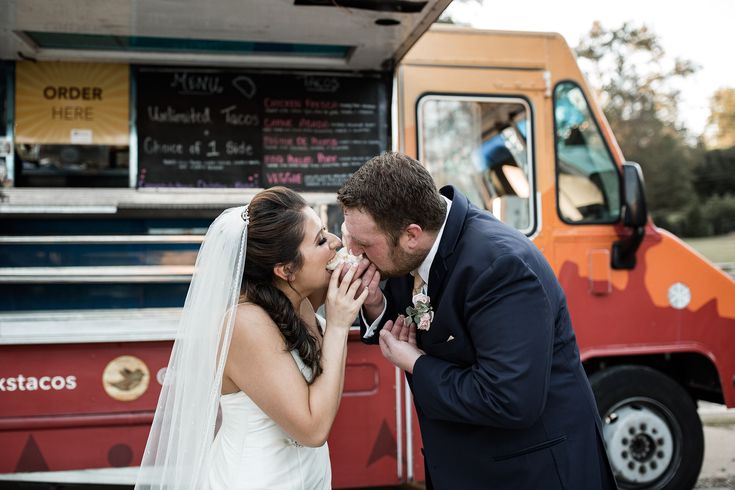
{"x":214,"y":128}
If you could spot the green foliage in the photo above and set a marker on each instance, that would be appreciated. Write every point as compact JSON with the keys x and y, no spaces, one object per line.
{"x":714,"y":216}
{"x":667,"y":167}
{"x":715,"y":175}
{"x":713,"y":211}
{"x":694,"y":223}
{"x":720,"y":213}
{"x":717,"y":249}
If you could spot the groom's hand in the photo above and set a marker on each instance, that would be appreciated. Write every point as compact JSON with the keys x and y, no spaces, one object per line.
{"x":369,"y":276}
{"x":398,"y":344}
{"x":402,"y":329}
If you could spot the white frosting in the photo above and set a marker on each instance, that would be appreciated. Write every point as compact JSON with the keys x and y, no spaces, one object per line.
{"x":343,"y":256}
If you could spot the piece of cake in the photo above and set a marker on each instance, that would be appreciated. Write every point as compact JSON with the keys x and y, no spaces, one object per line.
{"x":343,"y":256}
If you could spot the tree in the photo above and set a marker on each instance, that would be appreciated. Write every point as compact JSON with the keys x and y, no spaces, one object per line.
{"x":722,"y":119}
{"x":720,"y":213}
{"x":629,"y":68}
{"x":715,"y":176}
{"x":453,"y":13}
{"x":635,"y":84}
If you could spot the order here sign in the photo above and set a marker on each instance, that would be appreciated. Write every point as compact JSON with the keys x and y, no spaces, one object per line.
{"x":72,"y":103}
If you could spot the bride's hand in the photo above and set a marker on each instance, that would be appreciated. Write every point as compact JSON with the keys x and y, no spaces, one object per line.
{"x":343,"y":302}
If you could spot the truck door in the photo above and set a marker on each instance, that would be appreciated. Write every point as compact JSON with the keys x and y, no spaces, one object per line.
{"x":588,"y":193}
{"x":476,"y":128}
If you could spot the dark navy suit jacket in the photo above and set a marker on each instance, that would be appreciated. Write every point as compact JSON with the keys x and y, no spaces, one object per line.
{"x":502,"y":398}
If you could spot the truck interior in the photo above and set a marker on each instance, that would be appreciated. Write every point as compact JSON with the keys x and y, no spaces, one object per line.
{"x":480,"y":145}
{"x":588,"y":180}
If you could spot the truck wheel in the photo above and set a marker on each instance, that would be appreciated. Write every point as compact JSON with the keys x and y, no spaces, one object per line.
{"x":651,"y":428}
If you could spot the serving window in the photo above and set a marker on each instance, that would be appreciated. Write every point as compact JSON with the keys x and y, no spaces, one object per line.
{"x":38,"y":165}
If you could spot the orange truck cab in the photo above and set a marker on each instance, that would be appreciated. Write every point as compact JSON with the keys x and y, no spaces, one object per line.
{"x":509,"y":118}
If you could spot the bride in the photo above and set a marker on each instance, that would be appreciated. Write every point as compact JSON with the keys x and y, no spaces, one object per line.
{"x":250,"y":345}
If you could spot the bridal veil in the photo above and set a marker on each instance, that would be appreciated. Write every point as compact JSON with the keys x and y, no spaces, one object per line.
{"x":178,"y":450}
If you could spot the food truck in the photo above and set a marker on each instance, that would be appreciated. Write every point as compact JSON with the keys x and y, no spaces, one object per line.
{"x":131,"y":125}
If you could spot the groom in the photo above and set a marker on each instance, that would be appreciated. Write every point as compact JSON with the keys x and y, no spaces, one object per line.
{"x":502,"y":399}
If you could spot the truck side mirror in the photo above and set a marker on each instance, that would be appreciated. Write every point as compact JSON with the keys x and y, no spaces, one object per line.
{"x":635,"y":213}
{"x":635,"y":216}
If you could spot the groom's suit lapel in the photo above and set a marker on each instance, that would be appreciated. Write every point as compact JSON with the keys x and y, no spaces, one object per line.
{"x":444,"y":260}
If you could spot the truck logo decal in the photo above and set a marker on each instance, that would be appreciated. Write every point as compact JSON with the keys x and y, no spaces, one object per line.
{"x":125,"y":378}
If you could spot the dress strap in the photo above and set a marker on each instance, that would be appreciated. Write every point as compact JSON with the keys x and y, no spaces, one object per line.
{"x":322,"y":322}
{"x":306,"y":371}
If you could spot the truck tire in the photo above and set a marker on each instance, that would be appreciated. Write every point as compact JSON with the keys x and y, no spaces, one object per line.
{"x":652,"y":431}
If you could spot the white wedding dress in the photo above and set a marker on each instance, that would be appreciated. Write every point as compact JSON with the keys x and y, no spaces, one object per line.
{"x":251,"y":451}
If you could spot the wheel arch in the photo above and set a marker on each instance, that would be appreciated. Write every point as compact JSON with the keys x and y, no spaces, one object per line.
{"x":694,"y":370}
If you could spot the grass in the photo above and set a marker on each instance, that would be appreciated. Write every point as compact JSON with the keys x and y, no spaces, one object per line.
{"x":718,"y":249}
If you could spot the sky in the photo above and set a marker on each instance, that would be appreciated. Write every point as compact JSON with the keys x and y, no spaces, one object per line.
{"x":702,"y":32}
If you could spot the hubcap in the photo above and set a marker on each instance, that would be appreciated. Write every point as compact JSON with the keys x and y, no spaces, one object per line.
{"x":640,"y":442}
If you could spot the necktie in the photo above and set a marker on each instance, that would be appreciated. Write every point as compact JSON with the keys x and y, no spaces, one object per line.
{"x":418,"y":283}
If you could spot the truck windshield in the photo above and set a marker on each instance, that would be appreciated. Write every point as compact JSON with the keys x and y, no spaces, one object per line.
{"x":588,"y":186}
{"x":480,"y":146}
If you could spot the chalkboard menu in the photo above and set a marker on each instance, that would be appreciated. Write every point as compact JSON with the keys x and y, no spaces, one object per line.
{"x":222,"y":128}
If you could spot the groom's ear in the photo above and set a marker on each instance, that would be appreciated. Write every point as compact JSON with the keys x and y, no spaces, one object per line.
{"x":411,"y":236}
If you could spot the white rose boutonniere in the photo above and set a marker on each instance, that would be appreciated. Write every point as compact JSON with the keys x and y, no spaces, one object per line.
{"x":421,"y":313}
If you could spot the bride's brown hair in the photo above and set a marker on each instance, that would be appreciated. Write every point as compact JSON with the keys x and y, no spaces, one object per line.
{"x":275,"y":232}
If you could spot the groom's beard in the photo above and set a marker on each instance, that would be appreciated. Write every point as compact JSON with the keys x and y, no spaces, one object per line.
{"x":403,"y":262}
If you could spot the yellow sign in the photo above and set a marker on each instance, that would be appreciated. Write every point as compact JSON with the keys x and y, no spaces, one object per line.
{"x":77,"y":103}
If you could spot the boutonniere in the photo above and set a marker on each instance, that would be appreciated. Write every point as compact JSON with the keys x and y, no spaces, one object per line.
{"x":421,"y":313}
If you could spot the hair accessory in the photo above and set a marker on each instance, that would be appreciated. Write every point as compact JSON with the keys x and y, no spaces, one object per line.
{"x":245,"y":215}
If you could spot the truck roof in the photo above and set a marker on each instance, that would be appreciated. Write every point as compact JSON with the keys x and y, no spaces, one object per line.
{"x":321,"y":34}
{"x":461,"y":46}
